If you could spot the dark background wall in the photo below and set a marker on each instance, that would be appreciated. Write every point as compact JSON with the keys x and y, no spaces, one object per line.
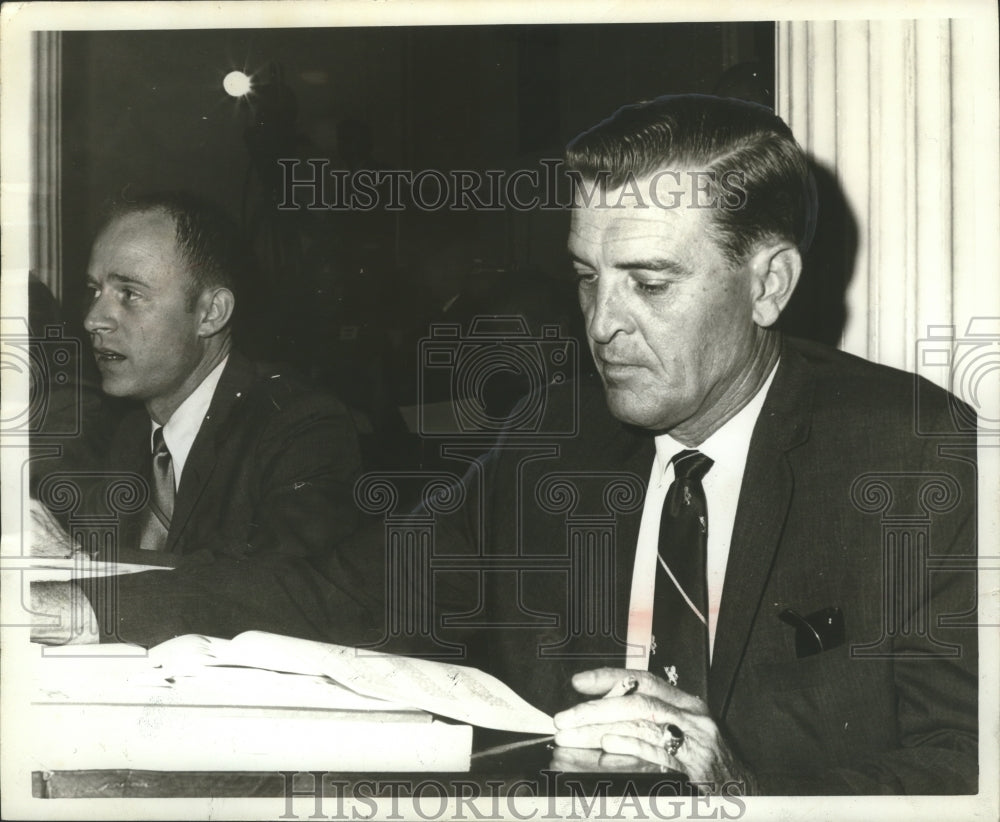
{"x":146,"y":109}
{"x":346,"y":297}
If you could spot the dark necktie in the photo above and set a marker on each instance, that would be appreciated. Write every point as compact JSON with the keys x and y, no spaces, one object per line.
{"x":161,"y":497}
{"x":679,"y":650}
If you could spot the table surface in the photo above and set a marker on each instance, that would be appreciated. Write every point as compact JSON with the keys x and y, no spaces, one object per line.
{"x":497,"y":769}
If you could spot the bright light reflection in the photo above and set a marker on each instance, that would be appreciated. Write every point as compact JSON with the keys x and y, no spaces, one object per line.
{"x":237,"y":84}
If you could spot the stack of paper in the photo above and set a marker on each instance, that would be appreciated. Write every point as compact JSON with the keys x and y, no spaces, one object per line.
{"x":261,"y":702}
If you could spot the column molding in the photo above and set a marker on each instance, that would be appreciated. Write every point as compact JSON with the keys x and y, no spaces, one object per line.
{"x":46,"y":173}
{"x":904,"y":114}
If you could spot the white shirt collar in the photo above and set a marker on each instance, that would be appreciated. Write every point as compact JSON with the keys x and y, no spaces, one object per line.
{"x":180,"y":430}
{"x":731,"y":442}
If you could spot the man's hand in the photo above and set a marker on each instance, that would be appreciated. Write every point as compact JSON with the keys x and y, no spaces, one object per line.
{"x":48,"y":539}
{"x":636,"y":725}
{"x":589,"y":760}
{"x":61,"y":615}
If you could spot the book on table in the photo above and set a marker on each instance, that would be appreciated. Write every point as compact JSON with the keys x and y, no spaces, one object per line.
{"x":262,"y":701}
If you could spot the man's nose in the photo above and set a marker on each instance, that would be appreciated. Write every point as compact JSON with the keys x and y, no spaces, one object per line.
{"x":100,"y":316}
{"x":607,"y":314}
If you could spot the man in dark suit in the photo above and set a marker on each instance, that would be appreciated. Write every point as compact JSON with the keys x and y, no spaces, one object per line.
{"x":249,"y":473}
{"x":796,"y":614}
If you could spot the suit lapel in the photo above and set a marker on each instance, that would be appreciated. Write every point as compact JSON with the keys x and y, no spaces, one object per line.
{"x":764,"y":499}
{"x":236,"y":378}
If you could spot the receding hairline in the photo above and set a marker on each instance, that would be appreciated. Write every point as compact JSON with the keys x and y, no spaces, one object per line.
{"x":165,"y":217}
{"x":116,"y":222}
{"x":123,"y":214}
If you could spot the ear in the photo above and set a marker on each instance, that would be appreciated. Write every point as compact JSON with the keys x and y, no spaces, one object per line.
{"x":215,"y":306}
{"x":774,"y":272}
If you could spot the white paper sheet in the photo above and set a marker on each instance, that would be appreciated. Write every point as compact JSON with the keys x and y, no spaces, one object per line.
{"x":39,"y":569}
{"x":455,"y":691}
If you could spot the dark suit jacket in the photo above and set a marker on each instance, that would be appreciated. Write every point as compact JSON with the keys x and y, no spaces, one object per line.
{"x":844,"y":504}
{"x":265,"y":493}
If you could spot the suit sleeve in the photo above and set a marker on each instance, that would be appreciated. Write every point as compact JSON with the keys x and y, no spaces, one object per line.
{"x":256,"y":566}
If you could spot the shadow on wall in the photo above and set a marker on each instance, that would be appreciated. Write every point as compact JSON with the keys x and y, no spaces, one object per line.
{"x":818,"y":308}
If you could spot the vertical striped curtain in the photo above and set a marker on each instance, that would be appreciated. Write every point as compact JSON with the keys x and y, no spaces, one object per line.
{"x":46,"y":115}
{"x":904,"y":114}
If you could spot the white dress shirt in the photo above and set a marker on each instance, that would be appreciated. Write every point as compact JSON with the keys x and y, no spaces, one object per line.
{"x":728,"y":449}
{"x":181,"y":429}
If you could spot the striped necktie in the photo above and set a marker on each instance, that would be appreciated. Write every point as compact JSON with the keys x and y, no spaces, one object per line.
{"x":161,"y":497}
{"x":679,"y":650}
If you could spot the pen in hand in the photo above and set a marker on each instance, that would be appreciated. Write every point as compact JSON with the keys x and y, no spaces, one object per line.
{"x":629,"y":685}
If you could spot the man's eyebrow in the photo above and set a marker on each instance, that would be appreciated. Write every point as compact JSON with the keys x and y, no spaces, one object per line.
{"x":661,"y":264}
{"x":125,"y":279}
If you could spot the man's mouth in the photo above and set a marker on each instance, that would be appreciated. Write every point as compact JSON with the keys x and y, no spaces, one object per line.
{"x":107,"y":355}
{"x":617,"y":370}
{"x":606,"y":362}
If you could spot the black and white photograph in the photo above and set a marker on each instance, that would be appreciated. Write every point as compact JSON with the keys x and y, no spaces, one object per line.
{"x":423,"y":409}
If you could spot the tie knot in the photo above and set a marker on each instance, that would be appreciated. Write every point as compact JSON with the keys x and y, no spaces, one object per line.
{"x":691,"y":465}
{"x":159,"y":445}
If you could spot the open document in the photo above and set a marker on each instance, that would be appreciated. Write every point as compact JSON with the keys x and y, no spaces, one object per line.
{"x":454,"y":691}
{"x":261,"y":702}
